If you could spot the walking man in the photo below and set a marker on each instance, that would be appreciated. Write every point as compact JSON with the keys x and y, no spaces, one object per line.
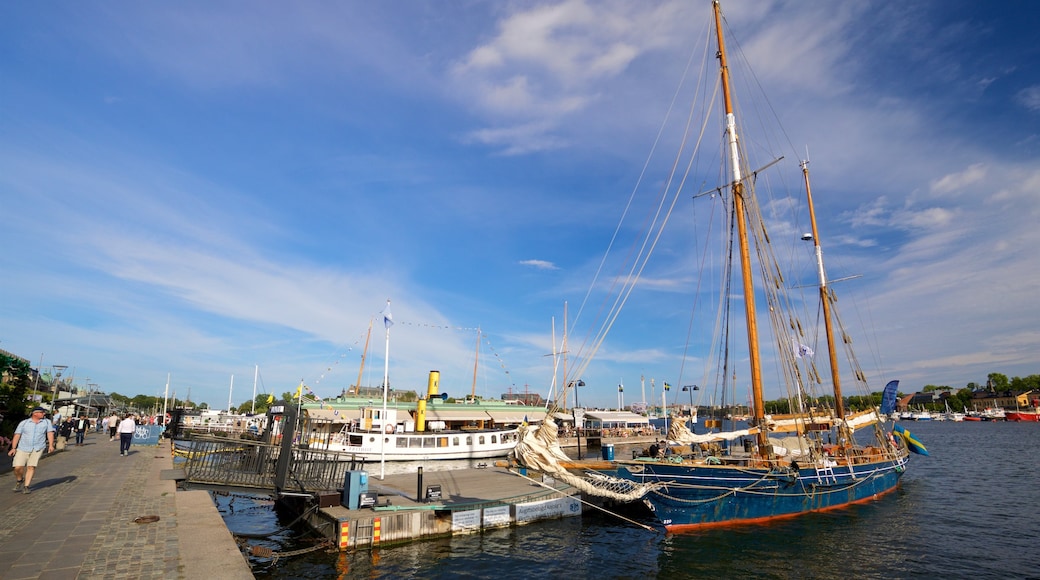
{"x":81,"y":429}
{"x":32,"y":437}
{"x":64,"y":432}
{"x":113,"y":423}
{"x":126,"y":434}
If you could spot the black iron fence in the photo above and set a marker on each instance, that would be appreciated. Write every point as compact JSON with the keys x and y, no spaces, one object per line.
{"x":241,"y":463}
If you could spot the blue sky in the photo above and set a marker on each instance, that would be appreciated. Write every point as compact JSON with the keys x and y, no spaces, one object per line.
{"x":197,"y":188}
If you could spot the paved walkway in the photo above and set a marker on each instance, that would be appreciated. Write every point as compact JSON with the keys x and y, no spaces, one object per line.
{"x":91,"y":516}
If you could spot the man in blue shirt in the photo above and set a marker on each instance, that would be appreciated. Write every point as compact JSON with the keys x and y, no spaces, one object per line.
{"x":31,"y":438}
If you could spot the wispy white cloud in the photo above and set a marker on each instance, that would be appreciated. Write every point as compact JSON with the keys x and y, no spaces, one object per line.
{"x":540,"y":264}
{"x":1029,"y":98}
{"x":956,"y":182}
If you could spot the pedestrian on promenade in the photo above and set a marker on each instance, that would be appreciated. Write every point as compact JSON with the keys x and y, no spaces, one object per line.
{"x":32,"y":437}
{"x":64,"y":432}
{"x":81,"y":429}
{"x":113,"y":423}
{"x":126,"y":434}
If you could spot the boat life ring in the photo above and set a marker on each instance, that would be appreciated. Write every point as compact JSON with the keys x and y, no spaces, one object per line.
{"x":389,"y":429}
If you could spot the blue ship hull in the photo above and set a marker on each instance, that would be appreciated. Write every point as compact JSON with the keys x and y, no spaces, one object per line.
{"x":693,"y":496}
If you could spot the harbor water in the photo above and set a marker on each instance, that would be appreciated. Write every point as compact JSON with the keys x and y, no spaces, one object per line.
{"x":970,"y":510}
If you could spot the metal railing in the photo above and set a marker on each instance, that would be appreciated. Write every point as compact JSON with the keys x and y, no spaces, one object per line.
{"x":241,"y":463}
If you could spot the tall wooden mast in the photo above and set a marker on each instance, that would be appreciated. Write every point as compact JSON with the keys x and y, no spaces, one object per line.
{"x":825,"y":300}
{"x":739,"y":211}
{"x":364,"y":354}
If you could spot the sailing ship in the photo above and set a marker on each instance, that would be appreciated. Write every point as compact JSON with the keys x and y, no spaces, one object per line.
{"x":820,"y":456}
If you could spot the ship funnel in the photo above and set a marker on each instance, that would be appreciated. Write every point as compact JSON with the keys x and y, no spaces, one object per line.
{"x":432,"y":388}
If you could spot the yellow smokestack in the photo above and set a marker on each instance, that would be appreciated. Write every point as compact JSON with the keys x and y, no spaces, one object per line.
{"x":432,"y":390}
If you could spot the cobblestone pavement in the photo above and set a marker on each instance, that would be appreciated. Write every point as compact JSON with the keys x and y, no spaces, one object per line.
{"x":82,"y":519}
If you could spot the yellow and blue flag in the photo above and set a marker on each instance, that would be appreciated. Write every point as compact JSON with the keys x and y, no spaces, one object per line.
{"x":911,"y":443}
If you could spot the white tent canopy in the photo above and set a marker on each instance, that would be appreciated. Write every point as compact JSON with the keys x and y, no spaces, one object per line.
{"x":611,"y":419}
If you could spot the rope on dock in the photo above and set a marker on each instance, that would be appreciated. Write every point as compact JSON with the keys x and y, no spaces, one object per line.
{"x":265,"y":552}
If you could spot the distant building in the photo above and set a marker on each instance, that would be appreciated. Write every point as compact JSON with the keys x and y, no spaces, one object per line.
{"x":529,"y":399}
{"x":1003,"y":399}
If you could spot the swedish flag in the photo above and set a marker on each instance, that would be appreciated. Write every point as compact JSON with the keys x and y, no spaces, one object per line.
{"x":911,"y":443}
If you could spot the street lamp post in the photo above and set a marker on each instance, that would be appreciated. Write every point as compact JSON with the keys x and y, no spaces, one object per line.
{"x":577,"y":421}
{"x":91,"y":387}
{"x":691,"y":389}
{"x":58,"y":369}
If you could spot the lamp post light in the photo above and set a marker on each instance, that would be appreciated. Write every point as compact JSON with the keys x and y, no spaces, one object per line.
{"x":58,"y":369}
{"x":36,"y":382}
{"x":691,"y":389}
{"x":91,"y":387}
{"x":578,"y":421}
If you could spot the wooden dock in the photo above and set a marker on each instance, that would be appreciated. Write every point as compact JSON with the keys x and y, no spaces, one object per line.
{"x":470,"y":500}
{"x":399,"y":508}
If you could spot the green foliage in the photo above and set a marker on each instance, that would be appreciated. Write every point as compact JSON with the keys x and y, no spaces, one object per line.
{"x":260,"y":402}
{"x":1032,"y":382}
{"x":120,"y":399}
{"x":997,"y":382}
{"x":13,"y":404}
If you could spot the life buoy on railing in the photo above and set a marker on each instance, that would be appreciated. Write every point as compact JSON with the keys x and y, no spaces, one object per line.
{"x":389,"y":429}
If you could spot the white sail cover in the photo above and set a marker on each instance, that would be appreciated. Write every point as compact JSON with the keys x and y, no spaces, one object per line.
{"x":680,"y":433}
{"x":539,"y":449}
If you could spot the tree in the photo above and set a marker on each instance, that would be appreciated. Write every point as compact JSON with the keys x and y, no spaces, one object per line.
{"x":1032,"y":382}
{"x":12,"y":394}
{"x":996,"y":382}
{"x":962,"y":398}
{"x":122,"y":400}
{"x":260,"y":403}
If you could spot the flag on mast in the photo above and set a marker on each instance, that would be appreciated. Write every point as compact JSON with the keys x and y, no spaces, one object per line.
{"x":888,"y":398}
{"x":388,"y":319}
{"x":911,"y":442}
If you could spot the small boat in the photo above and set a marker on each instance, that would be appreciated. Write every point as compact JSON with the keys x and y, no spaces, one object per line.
{"x":952,"y":415}
{"x":811,"y":459}
{"x":922,"y":415}
{"x":993,"y":414}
